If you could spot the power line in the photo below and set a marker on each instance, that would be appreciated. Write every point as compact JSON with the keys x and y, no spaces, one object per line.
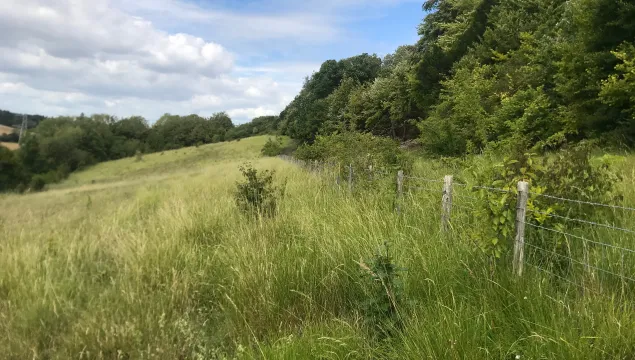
{"x":23,"y":128}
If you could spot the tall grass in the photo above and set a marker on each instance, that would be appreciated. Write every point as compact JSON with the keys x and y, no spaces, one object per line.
{"x":166,"y":267}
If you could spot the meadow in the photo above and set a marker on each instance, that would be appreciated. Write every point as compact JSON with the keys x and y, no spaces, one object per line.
{"x":151,"y":259}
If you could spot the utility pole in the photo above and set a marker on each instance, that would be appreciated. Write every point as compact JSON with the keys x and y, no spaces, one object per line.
{"x":23,"y":128}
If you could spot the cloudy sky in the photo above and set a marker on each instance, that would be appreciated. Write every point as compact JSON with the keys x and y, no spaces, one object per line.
{"x":149,"y":57}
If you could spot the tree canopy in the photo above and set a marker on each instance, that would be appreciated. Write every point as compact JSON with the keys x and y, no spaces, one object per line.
{"x":486,"y":73}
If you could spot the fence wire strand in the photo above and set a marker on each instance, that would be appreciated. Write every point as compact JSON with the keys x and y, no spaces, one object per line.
{"x":552,"y":274}
{"x":583,"y":221}
{"x":623,"y":277}
{"x":421,"y":188}
{"x":580,"y":238}
{"x":423,"y":179}
{"x":583,"y":202}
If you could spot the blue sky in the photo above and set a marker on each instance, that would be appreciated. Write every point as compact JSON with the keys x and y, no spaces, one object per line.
{"x":149,"y":57}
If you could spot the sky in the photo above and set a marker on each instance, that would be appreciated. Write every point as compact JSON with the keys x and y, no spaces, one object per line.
{"x":150,"y":57}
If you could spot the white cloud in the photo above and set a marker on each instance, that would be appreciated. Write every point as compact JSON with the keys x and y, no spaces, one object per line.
{"x":69,"y":56}
{"x":252,"y":112}
{"x":148,"y":57}
{"x":257,"y":25}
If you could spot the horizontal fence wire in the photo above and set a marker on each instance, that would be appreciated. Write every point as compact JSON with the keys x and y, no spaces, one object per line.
{"x":461,"y":196}
{"x":454,"y":205}
{"x":623,"y":277}
{"x":561,"y":278}
{"x":607,"y":226}
{"x":580,"y":238}
{"x":492,"y":189}
{"x":482,"y":187}
{"x":422,"y":188}
{"x":583,"y":202}
{"x":423,"y":179}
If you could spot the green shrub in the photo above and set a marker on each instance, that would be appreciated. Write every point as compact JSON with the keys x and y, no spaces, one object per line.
{"x":359,"y":150}
{"x":308,"y":152}
{"x":569,"y":173}
{"x":257,"y":195}
{"x":272,"y":147}
{"x":38,"y":182}
{"x":384,"y":292}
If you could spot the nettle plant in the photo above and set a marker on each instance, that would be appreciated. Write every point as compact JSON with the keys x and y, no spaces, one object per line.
{"x":569,"y":173}
{"x":384,"y":293}
{"x":257,"y":195}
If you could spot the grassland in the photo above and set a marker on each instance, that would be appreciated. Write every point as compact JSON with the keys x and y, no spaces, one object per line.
{"x":8,"y":130}
{"x":10,"y":146}
{"x":151,"y":260}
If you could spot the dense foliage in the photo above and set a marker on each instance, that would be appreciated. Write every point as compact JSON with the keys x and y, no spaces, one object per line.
{"x":10,"y":119}
{"x":257,"y":195}
{"x":273,"y":147}
{"x":361,"y":151}
{"x":486,"y":73}
{"x":569,"y":172}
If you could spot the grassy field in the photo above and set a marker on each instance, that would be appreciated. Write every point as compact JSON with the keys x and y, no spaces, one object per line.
{"x":152,"y":260}
{"x":8,"y":130}
{"x":10,"y":146}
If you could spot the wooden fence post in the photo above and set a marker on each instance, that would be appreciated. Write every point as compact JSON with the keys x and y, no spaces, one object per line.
{"x":519,"y":243}
{"x":350,"y":177}
{"x":446,"y":202}
{"x":399,"y":190}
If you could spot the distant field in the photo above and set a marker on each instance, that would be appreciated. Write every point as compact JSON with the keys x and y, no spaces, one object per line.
{"x":5,"y":130}
{"x":11,"y":146}
{"x":151,"y":259}
{"x":8,"y":130}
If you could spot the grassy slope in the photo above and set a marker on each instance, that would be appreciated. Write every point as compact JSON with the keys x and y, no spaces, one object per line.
{"x":8,"y":130}
{"x":153,"y":261}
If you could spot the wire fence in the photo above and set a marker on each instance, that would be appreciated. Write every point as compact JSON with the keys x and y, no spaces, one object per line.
{"x":586,"y":253}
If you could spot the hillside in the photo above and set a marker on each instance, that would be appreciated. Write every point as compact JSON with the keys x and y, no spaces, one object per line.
{"x":6,"y":130}
{"x":151,"y":258}
{"x":10,"y":146}
{"x":8,"y":118}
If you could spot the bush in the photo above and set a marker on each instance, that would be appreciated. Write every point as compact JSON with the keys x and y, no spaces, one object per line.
{"x":38,"y":182}
{"x":359,"y":150}
{"x":272,"y":147}
{"x":257,"y":195}
{"x":383,"y":293}
{"x":569,"y":173}
{"x":12,"y":172}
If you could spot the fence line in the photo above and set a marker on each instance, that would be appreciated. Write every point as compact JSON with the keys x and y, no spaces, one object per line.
{"x":581,"y":238}
{"x":583,"y":221}
{"x":580,"y":262}
{"x":445,"y":189}
{"x":583,"y":202}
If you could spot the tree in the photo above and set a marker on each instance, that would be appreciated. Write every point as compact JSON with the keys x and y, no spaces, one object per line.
{"x":11,"y":170}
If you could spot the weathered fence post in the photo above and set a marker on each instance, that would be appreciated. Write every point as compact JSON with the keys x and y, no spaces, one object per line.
{"x":350,"y":177}
{"x":519,"y":243}
{"x":399,"y":190}
{"x":370,"y":172}
{"x":446,"y":202}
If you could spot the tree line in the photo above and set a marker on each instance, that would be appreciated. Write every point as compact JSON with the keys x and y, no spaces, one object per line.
{"x":58,"y":146}
{"x":486,"y":74}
